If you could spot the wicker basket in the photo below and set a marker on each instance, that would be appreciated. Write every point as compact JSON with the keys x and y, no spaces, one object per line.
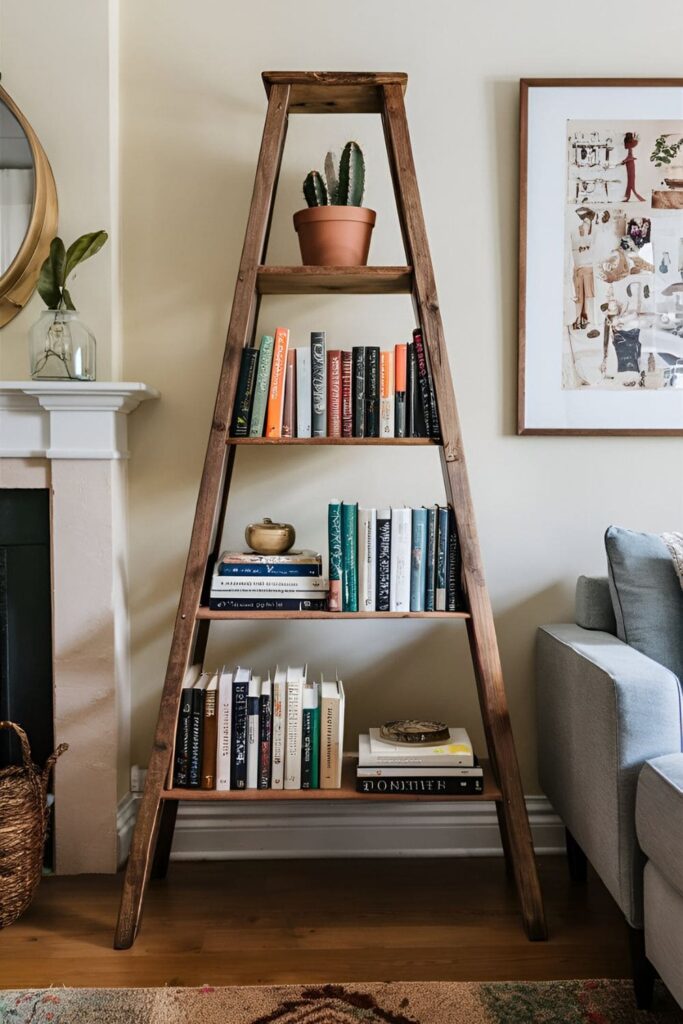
{"x":23,"y":827}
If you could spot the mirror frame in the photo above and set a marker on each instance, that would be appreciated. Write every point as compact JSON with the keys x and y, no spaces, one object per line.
{"x":18,"y":282}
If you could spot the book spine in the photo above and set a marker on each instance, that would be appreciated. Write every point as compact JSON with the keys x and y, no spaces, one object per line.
{"x":307,"y":747}
{"x":347,"y":393}
{"x":418,"y":560}
{"x":400,"y":559}
{"x":434,"y":785}
{"x":276,"y":405}
{"x":430,"y":584}
{"x":278,"y":738}
{"x":426,"y":382}
{"x":293,"y":734}
{"x":238,"y":763}
{"x":441,"y":561}
{"x":251,"y":558}
{"x":209,"y":740}
{"x":258,"y":604}
{"x":372,"y":392}
{"x":318,"y":385}
{"x":329,"y":743}
{"x":196,"y":729}
{"x":245,"y":392}
{"x":315,"y":748}
{"x":367,"y":559}
{"x":386,"y":390}
{"x":278,"y":586}
{"x":224,"y":734}
{"x":303,"y":392}
{"x":349,"y":557}
{"x":400,"y":381}
{"x":334,"y":413}
{"x":265,"y":726}
{"x":358,"y":398}
{"x":334,"y":538}
{"x":416,"y":421}
{"x":274,"y":569}
{"x":261,"y":387}
{"x":384,"y":560}
{"x":253,"y":752}
{"x":454,"y":597}
{"x":182,"y":743}
{"x":289,"y":411}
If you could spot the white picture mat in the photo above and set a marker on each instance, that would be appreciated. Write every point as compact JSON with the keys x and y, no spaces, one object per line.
{"x":547,"y":405}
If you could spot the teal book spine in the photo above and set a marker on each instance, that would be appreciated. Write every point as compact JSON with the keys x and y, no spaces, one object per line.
{"x":349,"y":557}
{"x":432,"y":528}
{"x":315,"y":748}
{"x":334,"y":539}
{"x":418,"y":561}
{"x":261,"y":388}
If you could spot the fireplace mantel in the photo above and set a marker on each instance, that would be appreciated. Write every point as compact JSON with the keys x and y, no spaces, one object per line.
{"x":71,"y":438}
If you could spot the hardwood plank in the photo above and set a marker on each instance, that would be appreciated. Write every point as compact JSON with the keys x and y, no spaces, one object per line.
{"x":208,"y":613}
{"x":322,"y":441}
{"x":306,"y":280}
{"x":334,"y":92}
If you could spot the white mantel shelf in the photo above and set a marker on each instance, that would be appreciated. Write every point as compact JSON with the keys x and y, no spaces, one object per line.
{"x":67,"y":419}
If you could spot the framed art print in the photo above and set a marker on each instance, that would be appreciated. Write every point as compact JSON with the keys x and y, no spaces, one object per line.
{"x":601,"y":257}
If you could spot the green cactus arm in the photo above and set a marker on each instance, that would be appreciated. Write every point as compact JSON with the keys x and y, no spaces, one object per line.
{"x":351,"y":175}
{"x":315,"y":192}
{"x":331,"y":178}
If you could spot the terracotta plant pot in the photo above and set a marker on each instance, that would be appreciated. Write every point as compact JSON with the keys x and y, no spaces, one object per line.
{"x":334,"y":236}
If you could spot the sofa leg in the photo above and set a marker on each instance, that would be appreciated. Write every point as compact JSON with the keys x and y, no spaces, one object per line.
{"x":576,"y":859}
{"x":644,"y":973}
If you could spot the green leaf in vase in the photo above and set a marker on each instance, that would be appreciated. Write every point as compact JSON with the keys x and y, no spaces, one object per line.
{"x":83,"y":248}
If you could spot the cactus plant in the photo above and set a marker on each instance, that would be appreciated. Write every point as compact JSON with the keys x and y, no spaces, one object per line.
{"x":344,"y":188}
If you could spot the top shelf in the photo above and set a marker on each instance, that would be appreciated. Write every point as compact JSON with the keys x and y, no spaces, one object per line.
{"x":334,"y":280}
{"x":334,"y":92}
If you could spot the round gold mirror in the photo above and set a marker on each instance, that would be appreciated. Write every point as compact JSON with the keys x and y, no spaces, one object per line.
{"x":28,"y":208}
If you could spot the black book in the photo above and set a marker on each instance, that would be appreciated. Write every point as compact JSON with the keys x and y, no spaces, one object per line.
{"x":257,"y":604}
{"x":238,"y":749}
{"x":416,"y":420}
{"x":454,"y":596}
{"x":241,"y":412}
{"x":318,"y":385}
{"x":383,"y":559}
{"x":194,"y":778}
{"x":432,"y":528}
{"x":372,"y":391}
{"x":426,"y":385}
{"x":306,"y":748}
{"x":181,"y":764}
{"x":358,"y":382}
{"x":265,"y":735}
{"x":433,"y":785}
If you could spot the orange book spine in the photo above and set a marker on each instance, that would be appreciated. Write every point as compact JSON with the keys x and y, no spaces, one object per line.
{"x":334,"y":397}
{"x":276,"y":392}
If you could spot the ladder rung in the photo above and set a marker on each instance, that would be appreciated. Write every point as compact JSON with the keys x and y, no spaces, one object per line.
{"x":340,"y":280}
{"x":208,"y":613}
{"x":317,"y":441}
{"x":335,"y":92}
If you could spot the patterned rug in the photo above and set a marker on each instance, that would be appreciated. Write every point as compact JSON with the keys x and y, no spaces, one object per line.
{"x":561,"y":1002}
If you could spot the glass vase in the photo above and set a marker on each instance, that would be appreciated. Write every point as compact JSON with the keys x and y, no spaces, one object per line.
{"x":62,"y":347}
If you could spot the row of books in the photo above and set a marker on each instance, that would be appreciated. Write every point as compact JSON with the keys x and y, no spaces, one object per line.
{"x":246,"y":581}
{"x":448,"y":769}
{"x":313,"y":392}
{"x":393,"y":559}
{"x":237,"y":730}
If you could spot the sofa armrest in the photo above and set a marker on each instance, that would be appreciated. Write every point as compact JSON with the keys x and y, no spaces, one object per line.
{"x":603,"y":710}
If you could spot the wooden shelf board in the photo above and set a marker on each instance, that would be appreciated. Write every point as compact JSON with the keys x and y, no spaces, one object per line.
{"x":208,"y":613}
{"x":307,"y":280}
{"x":347,"y":791}
{"x":334,"y":92}
{"x":318,"y":441}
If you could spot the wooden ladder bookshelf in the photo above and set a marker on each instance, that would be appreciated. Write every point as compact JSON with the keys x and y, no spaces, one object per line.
{"x":301,"y":93}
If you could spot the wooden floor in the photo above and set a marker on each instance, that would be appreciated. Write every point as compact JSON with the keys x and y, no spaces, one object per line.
{"x":318,"y":920}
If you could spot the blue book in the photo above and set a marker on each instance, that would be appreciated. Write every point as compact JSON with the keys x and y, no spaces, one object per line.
{"x":441,"y":586}
{"x":418,"y":561}
{"x":432,"y":526}
{"x":334,"y":537}
{"x":269,"y":569}
{"x":349,"y":532}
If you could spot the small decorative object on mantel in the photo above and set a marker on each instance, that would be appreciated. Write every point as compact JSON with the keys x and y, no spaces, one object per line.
{"x":335,"y":229}
{"x":61,"y":346}
{"x":269,"y":538}
{"x":415,"y":733}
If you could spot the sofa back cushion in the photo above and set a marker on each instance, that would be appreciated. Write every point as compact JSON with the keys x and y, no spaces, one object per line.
{"x":646,"y":596}
{"x":593,"y":606}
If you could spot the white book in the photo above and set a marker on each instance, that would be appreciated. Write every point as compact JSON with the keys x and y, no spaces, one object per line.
{"x":224,"y":727}
{"x":253,"y":709}
{"x":303,"y":392}
{"x":332,"y":703}
{"x":226,"y":585}
{"x":419,"y":771}
{"x":296,"y":680}
{"x":457,"y":753}
{"x":277,"y":776}
{"x":367,"y":559}
{"x":401,"y":528}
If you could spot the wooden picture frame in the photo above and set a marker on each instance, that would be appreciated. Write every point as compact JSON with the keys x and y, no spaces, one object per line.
{"x":617,"y":368}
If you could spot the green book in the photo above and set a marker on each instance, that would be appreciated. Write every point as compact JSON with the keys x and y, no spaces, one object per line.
{"x":315,"y":747}
{"x":350,"y":557}
{"x":334,"y":538}
{"x":262,"y":387}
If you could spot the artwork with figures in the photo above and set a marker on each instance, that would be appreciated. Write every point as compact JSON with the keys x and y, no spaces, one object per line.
{"x":623,"y":277}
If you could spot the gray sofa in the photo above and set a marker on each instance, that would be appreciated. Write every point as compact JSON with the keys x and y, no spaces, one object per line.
{"x":609,"y":702}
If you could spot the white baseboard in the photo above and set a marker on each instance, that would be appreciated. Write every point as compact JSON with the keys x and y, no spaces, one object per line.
{"x":225,"y":831}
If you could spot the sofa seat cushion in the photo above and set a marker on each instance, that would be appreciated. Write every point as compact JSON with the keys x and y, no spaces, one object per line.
{"x":646,"y":595}
{"x":659,"y":816}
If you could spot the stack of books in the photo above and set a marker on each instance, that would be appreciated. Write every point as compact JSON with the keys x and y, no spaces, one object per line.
{"x":315,"y":392}
{"x":449,"y":769}
{"x":239,"y":730}
{"x":245,"y":581}
{"x":393,"y":559}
